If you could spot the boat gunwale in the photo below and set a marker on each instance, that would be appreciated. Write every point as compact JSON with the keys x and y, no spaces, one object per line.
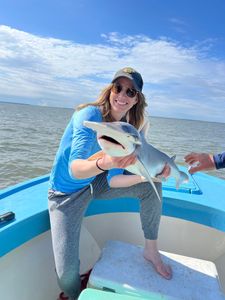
{"x":36,"y":220}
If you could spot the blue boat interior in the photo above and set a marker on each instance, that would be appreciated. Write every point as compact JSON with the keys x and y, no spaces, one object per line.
{"x":201,"y":201}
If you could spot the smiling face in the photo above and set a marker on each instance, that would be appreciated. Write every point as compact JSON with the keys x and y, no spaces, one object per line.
{"x":120,"y":102}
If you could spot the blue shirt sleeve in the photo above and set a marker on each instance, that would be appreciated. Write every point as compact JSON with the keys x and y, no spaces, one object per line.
{"x":112,"y":173}
{"x":84,"y":141}
{"x":219,"y":160}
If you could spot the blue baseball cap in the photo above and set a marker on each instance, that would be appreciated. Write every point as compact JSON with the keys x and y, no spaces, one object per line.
{"x":131,"y":74}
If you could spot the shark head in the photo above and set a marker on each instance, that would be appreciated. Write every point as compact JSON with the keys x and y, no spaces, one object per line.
{"x":115,"y":138}
{"x":121,"y":139}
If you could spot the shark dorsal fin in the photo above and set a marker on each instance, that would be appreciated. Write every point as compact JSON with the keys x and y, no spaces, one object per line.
{"x":173,"y":157}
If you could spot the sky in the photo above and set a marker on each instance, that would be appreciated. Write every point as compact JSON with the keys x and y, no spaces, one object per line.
{"x":62,"y":53}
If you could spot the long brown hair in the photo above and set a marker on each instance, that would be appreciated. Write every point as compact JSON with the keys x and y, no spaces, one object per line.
{"x":135,"y":115}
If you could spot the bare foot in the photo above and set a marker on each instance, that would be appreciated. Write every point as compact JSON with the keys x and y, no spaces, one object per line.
{"x":161,"y":268}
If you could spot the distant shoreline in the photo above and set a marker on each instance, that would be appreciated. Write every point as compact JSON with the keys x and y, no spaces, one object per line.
{"x":71,"y":108}
{"x":17,"y":103}
{"x":36,"y":105}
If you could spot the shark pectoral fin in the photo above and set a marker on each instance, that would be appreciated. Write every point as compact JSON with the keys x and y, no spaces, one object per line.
{"x":148,"y":177}
{"x":182,"y":179}
{"x":153,"y":185}
{"x":97,"y":155}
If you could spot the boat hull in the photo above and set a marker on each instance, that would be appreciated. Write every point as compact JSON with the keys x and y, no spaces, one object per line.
{"x":29,"y":271}
{"x":193,"y":224}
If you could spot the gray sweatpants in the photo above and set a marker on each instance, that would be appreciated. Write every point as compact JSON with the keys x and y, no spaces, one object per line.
{"x":66,"y":215}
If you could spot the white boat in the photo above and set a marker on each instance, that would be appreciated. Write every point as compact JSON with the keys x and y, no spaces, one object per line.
{"x":193,"y":225}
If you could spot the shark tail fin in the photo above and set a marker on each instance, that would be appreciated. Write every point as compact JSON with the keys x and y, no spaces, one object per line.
{"x":183,"y":178}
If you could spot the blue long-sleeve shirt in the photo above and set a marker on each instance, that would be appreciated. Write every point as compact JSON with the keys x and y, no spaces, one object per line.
{"x":78,"y":142}
{"x":219,"y":160}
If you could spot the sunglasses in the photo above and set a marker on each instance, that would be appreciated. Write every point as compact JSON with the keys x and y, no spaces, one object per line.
{"x":117,"y":88}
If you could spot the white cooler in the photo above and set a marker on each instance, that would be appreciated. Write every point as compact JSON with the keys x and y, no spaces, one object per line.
{"x":122,"y":269}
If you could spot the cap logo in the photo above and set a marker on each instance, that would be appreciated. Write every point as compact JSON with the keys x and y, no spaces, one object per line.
{"x":128,"y":70}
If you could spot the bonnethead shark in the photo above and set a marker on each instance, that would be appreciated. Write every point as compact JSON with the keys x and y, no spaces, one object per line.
{"x":121,"y":139}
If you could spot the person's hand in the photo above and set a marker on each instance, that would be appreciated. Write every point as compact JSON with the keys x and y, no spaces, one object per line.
{"x":108,"y":162}
{"x":165,"y":173}
{"x":199,"y":162}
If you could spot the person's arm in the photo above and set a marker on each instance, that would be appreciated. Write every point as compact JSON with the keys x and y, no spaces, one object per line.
{"x":200,"y":162}
{"x":120,"y":181}
{"x":83,"y":168}
{"x":219,"y":160}
{"x":116,"y":179}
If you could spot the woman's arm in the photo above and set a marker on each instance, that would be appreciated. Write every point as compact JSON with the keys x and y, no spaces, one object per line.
{"x":117,"y":180}
{"x":120,"y":181}
{"x":83,"y":168}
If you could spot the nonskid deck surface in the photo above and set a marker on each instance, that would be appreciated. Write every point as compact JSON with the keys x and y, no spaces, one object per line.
{"x":122,"y":269}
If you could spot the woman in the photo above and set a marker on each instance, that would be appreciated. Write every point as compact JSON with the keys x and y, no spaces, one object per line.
{"x":75,"y":180}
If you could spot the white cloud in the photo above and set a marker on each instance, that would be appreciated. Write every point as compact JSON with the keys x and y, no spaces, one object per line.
{"x":179,"y":81}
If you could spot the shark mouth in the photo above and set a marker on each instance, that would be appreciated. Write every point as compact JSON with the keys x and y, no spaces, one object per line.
{"x":111,"y":140}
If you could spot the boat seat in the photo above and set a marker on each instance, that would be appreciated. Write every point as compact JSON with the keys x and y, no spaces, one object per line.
{"x":93,"y":294}
{"x":122,"y":269}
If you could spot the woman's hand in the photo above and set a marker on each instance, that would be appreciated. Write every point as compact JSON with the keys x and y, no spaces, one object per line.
{"x":108,"y":162}
{"x":165,"y":173}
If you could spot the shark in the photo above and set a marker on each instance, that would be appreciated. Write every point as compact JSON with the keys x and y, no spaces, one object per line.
{"x":120,"y":139}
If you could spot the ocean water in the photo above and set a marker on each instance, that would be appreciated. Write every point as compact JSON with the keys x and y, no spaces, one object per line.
{"x":30,"y":135}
